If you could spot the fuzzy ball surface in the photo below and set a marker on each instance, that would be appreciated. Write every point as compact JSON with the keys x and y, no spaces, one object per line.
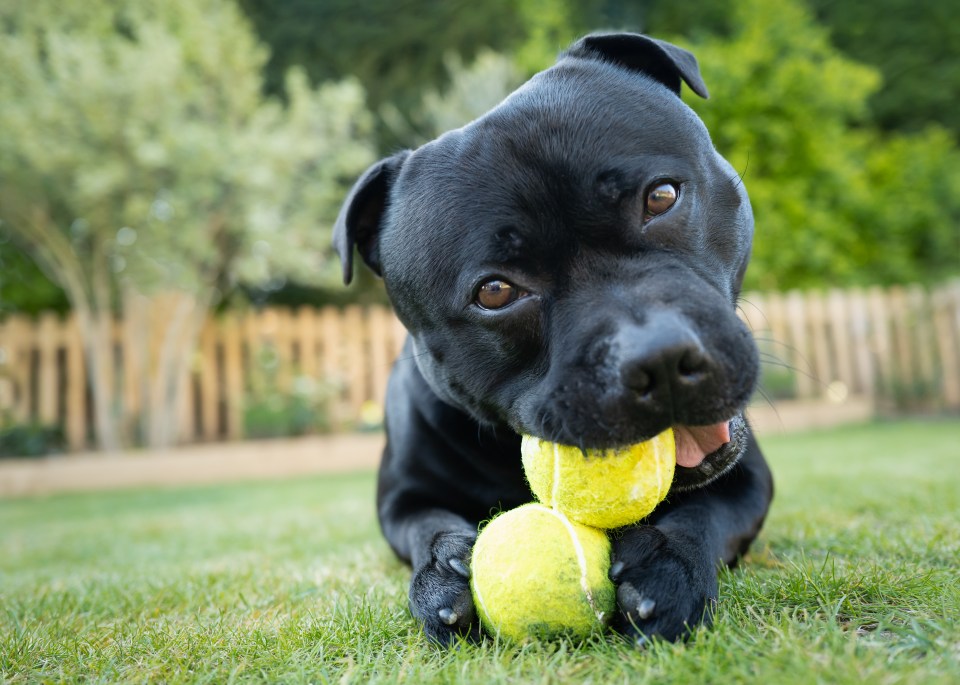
{"x":535,"y":573}
{"x":601,"y":488}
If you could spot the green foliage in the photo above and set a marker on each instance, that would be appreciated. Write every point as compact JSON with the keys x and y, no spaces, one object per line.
{"x":92,"y":130}
{"x":916,"y":45}
{"x":274,"y":410}
{"x":695,"y":18}
{"x":833,"y":200}
{"x":23,"y":286}
{"x":30,"y":439}
{"x":549,"y":26}
{"x":143,"y":168}
{"x":472,"y":90}
{"x":139,"y":131}
{"x":394,"y":51}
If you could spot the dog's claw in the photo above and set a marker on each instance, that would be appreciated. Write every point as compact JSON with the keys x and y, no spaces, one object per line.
{"x":458,"y":566}
{"x":641,"y":642}
{"x":645,"y":608}
{"x":448,"y":616}
{"x":616,"y":569}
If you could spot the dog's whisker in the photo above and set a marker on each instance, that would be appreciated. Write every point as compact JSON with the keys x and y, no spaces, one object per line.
{"x":789,"y":348}
{"x":743,"y":173}
{"x":773,"y":341}
{"x":411,"y":357}
{"x":766,"y":398}
{"x":774,"y":359}
{"x":789,"y":367}
{"x":773,"y":406}
{"x":755,"y":307}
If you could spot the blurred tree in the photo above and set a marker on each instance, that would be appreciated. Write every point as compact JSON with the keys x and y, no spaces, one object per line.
{"x":916,"y":46}
{"x":395,"y":49}
{"x":142,"y":168}
{"x":693,"y":18}
{"x":550,"y":26}
{"x":472,"y":90}
{"x":23,"y":286}
{"x":834,"y":200}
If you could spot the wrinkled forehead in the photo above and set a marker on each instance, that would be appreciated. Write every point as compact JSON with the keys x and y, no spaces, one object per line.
{"x":578,"y":114}
{"x":533,"y":160}
{"x":595,"y":102}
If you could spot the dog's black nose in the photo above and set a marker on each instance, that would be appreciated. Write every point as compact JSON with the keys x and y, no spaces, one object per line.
{"x":663,"y":355}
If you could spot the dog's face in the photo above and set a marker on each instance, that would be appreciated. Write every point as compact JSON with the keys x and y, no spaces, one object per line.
{"x":568,"y":263}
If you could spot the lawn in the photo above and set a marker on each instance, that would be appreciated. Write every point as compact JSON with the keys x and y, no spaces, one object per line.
{"x":855,"y":579}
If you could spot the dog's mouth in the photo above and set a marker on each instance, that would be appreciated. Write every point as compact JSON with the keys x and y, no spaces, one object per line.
{"x":704,"y":453}
{"x":694,"y":443}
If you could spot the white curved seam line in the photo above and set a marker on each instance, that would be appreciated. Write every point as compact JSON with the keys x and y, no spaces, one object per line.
{"x":483,"y":607}
{"x":581,"y":560}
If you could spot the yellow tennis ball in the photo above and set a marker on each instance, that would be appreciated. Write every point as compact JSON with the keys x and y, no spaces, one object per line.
{"x":535,"y":573}
{"x":604,"y":488}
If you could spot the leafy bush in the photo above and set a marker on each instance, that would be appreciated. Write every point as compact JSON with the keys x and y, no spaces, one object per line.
{"x":143,"y":169}
{"x":834,"y":198}
{"x":274,"y":409}
{"x":31,"y":440}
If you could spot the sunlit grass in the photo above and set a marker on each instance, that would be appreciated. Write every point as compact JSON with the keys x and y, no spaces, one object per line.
{"x":853,"y":580}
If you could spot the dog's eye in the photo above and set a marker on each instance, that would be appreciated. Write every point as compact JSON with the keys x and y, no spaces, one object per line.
{"x":660,"y":198}
{"x":497,"y":294}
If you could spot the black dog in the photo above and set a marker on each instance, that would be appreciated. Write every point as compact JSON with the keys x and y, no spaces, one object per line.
{"x":567,"y":266}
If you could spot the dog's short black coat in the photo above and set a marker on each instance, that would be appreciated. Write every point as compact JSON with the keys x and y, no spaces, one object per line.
{"x":618,"y":323}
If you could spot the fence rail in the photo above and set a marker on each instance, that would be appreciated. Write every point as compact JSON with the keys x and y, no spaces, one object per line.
{"x":898,"y":346}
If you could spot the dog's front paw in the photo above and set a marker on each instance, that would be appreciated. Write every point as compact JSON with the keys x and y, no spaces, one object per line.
{"x":665,"y":588}
{"x":440,"y":590}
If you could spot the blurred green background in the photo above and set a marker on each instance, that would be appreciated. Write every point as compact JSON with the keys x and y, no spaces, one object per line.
{"x":208,"y":142}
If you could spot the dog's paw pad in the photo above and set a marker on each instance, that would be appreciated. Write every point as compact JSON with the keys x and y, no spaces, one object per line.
{"x":440,"y":596}
{"x":661,"y":592}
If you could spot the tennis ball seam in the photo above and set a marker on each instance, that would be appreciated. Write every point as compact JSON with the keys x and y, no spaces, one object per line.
{"x":517,"y":598}
{"x":581,"y":557}
{"x":576,"y":487}
{"x":475,"y":587}
{"x":657,"y":461}
{"x":554,"y":494}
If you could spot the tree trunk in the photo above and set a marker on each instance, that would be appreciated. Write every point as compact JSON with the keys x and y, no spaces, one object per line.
{"x":97,"y":334}
{"x":178,"y":334}
{"x":87,"y":288}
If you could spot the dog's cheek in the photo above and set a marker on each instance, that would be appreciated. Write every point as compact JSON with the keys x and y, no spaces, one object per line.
{"x":741,"y":363}
{"x":481,"y":369}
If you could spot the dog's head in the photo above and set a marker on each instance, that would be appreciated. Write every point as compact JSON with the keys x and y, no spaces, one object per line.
{"x":568,"y":263}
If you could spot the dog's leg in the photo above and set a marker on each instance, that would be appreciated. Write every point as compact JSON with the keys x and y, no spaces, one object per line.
{"x":666,"y":568}
{"x":439,"y":547}
{"x":441,"y":475}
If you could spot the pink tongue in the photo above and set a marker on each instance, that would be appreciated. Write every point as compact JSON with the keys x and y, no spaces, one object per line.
{"x":696,"y":442}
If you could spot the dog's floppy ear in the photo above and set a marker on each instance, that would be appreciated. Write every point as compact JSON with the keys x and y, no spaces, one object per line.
{"x":658,"y":59}
{"x":360,"y":217}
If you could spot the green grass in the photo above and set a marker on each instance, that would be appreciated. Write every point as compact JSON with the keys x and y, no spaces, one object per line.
{"x":854,"y":579}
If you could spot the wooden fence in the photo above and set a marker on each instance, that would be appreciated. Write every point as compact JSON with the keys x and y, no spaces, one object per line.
{"x":899,"y":347}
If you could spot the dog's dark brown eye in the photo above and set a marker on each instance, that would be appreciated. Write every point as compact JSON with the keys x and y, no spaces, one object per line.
{"x":497,"y":294}
{"x":660,"y":198}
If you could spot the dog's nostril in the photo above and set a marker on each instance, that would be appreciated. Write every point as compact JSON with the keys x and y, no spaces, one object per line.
{"x":692,"y":363}
{"x":646,"y":375}
{"x":637,"y":379}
